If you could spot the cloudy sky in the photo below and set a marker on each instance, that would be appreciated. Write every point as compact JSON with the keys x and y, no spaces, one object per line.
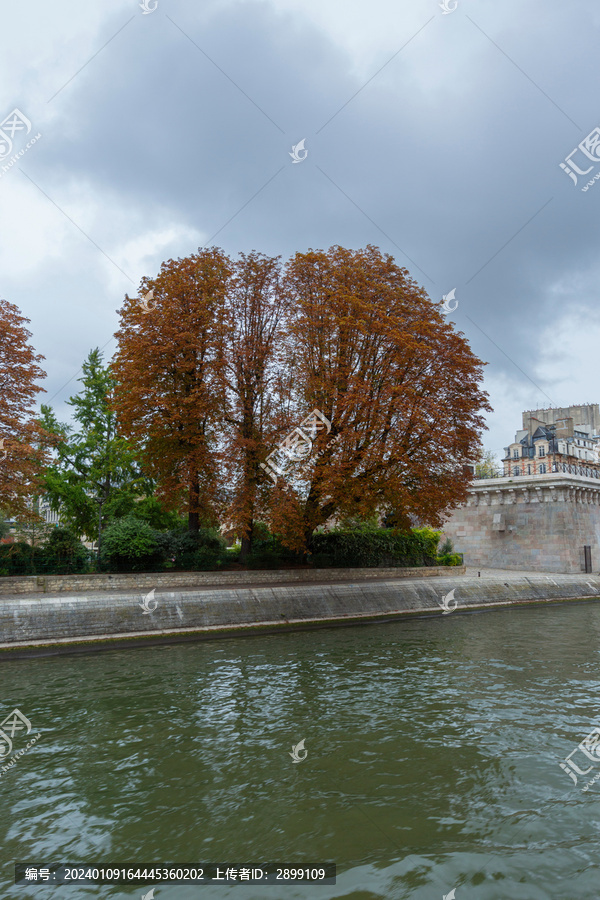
{"x":436,"y":135}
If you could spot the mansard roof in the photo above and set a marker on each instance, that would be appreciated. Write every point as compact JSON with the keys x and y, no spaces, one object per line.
{"x":545,"y":432}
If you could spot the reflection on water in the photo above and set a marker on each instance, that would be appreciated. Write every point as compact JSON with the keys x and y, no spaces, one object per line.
{"x":432,"y":759}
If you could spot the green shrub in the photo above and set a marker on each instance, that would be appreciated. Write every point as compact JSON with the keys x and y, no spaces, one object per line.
{"x":62,"y":554}
{"x":368,"y":547}
{"x":261,"y":532}
{"x":18,"y":558}
{"x":428,"y":539}
{"x":446,"y":547}
{"x":264,"y":559}
{"x":208,"y":558}
{"x":130,"y":545}
{"x":270,"y":554}
{"x":359,"y":523}
{"x":152,"y":511}
{"x":449,"y":559}
{"x":321,"y":560}
{"x":178,"y":548}
{"x":185,"y":550}
{"x":211,"y":538}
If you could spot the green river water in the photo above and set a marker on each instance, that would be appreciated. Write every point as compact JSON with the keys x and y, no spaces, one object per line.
{"x":433,"y":749}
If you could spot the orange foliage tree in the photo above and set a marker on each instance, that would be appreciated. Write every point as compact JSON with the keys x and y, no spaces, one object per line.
{"x":233,"y":356}
{"x":22,"y":439}
{"x":255,"y":311}
{"x":169,"y":392}
{"x":399,"y":386}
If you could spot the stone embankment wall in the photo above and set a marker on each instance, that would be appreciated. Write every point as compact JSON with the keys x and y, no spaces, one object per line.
{"x":32,"y":584}
{"x":73,"y":623}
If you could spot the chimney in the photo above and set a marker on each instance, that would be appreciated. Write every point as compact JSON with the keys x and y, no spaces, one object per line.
{"x":564,"y":428}
{"x":533,"y":425}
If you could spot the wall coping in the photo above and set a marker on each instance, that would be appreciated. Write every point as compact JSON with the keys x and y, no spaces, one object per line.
{"x":514,"y":482}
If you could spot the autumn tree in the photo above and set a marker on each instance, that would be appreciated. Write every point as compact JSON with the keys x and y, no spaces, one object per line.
{"x":255,"y":307}
{"x":22,"y":440}
{"x":94,"y":475}
{"x":168,"y":367}
{"x":399,"y":386}
{"x":223,"y":359}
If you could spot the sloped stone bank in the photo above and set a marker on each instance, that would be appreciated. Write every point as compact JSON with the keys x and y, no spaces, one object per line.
{"x":58,"y":623}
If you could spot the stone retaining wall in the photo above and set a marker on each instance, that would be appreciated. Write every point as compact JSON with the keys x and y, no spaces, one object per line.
{"x":145,"y":581}
{"x":54,"y":624}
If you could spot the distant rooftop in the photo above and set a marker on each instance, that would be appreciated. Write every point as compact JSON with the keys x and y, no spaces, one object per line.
{"x":584,"y":414}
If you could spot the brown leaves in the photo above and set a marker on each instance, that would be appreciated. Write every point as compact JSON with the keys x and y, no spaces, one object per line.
{"x":22,"y":450}
{"x":234,"y":355}
{"x":169,"y":371}
{"x":381,"y":362}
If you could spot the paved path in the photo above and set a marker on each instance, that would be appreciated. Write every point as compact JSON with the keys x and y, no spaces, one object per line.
{"x":508,"y":574}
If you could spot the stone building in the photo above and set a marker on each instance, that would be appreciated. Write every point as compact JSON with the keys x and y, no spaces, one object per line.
{"x":587,"y":414}
{"x":41,"y":531}
{"x":543,"y":513}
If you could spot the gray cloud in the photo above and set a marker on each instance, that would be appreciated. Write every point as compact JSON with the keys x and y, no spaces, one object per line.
{"x":448,"y":158}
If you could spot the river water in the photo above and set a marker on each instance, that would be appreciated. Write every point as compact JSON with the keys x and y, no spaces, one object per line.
{"x":433,"y":749}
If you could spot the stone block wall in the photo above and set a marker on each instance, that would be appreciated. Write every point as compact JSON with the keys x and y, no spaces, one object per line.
{"x":540,"y":523}
{"x":75,"y":623}
{"x":145,"y":581}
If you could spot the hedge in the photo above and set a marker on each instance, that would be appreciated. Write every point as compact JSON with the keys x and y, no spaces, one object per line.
{"x":377,"y":547}
{"x":130,"y":544}
{"x":62,"y":554}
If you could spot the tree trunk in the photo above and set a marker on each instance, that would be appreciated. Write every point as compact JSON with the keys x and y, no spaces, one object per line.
{"x":193,"y":511}
{"x":99,"y":532}
{"x":308,"y":533}
{"x":250,"y":479}
{"x":247,"y":543}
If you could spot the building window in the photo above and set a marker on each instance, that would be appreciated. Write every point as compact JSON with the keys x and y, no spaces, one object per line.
{"x":554,"y":467}
{"x":542,"y":451}
{"x":542,"y":469}
{"x":516,"y":470}
{"x":515,"y":454}
{"x":529,"y":470}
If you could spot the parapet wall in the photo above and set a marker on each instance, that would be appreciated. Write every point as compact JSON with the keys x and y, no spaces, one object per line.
{"x":540,"y":523}
{"x":55,"y":624}
{"x":145,"y":581}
